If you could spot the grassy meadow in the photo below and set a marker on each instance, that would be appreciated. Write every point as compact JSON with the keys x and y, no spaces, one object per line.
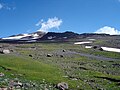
{"x":29,"y":62}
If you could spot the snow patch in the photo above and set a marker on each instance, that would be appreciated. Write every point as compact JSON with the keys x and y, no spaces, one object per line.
{"x":110,"y":49}
{"x":77,"y":43}
{"x":88,"y":46}
{"x":6,"y":51}
{"x":17,"y":37}
{"x":50,"y":37}
{"x":65,"y":37}
{"x":35,"y":36}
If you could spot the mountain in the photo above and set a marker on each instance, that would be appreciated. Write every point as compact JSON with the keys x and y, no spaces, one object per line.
{"x":60,"y":36}
{"x":99,"y":39}
{"x":25,"y":37}
{"x":40,"y":36}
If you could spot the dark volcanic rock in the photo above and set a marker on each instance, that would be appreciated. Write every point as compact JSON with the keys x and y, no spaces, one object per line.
{"x":59,"y":36}
{"x":49,"y":55}
{"x":30,"y":55}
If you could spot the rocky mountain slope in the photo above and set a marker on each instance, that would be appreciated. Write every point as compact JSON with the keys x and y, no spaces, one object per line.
{"x":99,"y":39}
{"x":54,"y":36}
{"x":70,"y":60}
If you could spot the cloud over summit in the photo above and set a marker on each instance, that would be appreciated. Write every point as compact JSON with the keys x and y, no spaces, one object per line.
{"x":108,"y":30}
{"x":51,"y":23}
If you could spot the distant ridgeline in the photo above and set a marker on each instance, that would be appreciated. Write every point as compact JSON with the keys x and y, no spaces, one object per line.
{"x":53,"y":36}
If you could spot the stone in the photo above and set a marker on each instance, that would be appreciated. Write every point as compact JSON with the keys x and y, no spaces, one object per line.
{"x":104,"y":66}
{"x":11,"y":50}
{"x":49,"y":55}
{"x":100,"y":49}
{"x":11,"y":83}
{"x":62,"y":86}
{"x":74,"y":79}
{"x":2,"y":74}
{"x":61,"y":56}
{"x":5,"y":51}
{"x":30,"y":55}
{"x":95,"y":47}
{"x":27,"y":85}
{"x":17,"y":84}
{"x":64,"y":50}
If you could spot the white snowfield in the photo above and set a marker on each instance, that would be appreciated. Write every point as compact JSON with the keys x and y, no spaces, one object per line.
{"x":110,"y":49}
{"x":88,"y":46}
{"x":106,"y":49}
{"x":77,"y":43}
{"x":35,"y":36}
{"x":17,"y":37}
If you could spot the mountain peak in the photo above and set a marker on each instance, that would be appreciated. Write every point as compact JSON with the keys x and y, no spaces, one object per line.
{"x":29,"y":36}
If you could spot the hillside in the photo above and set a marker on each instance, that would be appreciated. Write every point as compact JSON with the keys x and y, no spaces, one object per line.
{"x":60,"y":57}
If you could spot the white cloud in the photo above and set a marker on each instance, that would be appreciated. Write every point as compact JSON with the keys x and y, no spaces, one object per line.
{"x":39,"y":23}
{"x":108,"y":30}
{"x":1,"y":6}
{"x":51,"y":23}
{"x":6,"y":6}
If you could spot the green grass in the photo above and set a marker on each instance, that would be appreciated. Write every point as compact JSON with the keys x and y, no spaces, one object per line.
{"x":33,"y":70}
{"x":52,"y":69}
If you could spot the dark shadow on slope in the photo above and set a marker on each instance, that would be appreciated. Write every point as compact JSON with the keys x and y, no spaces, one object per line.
{"x":110,"y":79}
{"x":4,"y":68}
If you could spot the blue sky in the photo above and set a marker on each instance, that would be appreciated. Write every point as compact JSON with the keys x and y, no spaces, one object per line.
{"x":81,"y":16}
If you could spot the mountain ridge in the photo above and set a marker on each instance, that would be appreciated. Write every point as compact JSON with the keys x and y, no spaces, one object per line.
{"x":52,"y":36}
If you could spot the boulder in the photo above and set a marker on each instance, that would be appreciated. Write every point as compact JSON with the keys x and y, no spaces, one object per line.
{"x":64,"y":50}
{"x":62,"y":86}
{"x":11,"y":50}
{"x":101,"y":49}
{"x":2,"y":74}
{"x":30,"y":55}
{"x":95,"y":47}
{"x":104,"y":66}
{"x":17,"y":84}
{"x":49,"y":55}
{"x":61,"y":56}
{"x":5,"y":51}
